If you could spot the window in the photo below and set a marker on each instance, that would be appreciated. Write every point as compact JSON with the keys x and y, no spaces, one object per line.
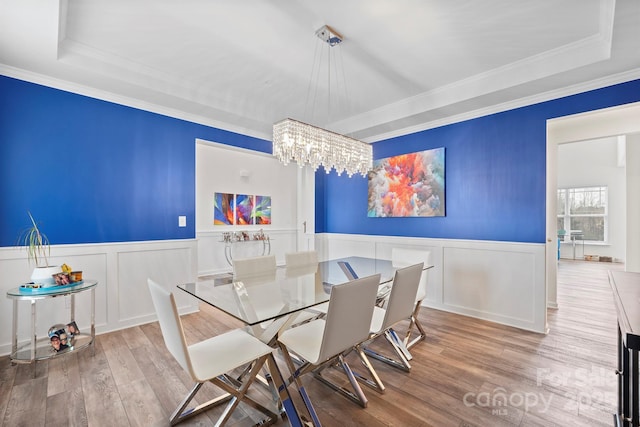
{"x":585,"y":210}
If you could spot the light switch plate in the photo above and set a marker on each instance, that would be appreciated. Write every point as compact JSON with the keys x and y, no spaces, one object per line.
{"x":182,"y":221}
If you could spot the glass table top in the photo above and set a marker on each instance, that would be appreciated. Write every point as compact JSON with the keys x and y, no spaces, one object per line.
{"x":52,"y":291}
{"x":258,"y":298}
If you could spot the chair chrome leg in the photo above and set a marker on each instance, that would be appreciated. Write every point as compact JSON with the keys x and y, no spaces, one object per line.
{"x":295,"y":377}
{"x":402,"y":364}
{"x":180,"y":414}
{"x":235,"y":392}
{"x":414,"y":322}
{"x":399,"y":344}
{"x":375,"y":383}
{"x":240,"y":394}
{"x":357,"y":395}
{"x":286,"y":406}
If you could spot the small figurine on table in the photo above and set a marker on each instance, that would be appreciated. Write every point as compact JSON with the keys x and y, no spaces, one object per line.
{"x":72,"y":329}
{"x":64,"y":340}
{"x":62,"y":279}
{"x":57,"y":344}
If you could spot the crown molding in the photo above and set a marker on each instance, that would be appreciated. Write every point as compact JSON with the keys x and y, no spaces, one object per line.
{"x":146,"y":106}
{"x":580,"y":53}
{"x":564,"y":58}
{"x":511,"y":105}
{"x":102,"y":95}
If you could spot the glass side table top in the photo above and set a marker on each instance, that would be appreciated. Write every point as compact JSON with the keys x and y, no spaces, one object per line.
{"x":19,"y":293}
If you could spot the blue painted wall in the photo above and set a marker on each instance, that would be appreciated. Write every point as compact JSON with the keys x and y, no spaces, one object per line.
{"x":495,"y":175}
{"x":93,"y":171}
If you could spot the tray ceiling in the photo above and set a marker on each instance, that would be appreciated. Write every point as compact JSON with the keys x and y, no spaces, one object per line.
{"x":404,"y":65}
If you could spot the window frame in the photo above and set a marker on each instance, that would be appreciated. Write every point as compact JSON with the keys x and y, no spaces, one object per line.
{"x":566,"y":216}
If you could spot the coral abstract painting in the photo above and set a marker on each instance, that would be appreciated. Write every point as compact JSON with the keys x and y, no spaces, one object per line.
{"x":262,"y":212}
{"x":243,"y":208}
{"x":408,"y":185}
{"x":223,"y":209}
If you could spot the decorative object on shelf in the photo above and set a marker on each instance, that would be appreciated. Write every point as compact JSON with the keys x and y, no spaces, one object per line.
{"x":68,"y":276}
{"x":58,"y":337}
{"x":260,"y":235}
{"x":64,"y":279}
{"x":408,"y":185}
{"x":38,"y":251}
{"x":239,"y":238}
{"x":72,"y":329}
{"x":305,"y":143}
{"x":61,"y":279}
{"x":39,"y":288}
{"x":31,"y":286}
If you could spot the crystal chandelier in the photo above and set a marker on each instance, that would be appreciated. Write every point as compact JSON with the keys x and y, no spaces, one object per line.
{"x":308,"y":144}
{"x":304,"y":143}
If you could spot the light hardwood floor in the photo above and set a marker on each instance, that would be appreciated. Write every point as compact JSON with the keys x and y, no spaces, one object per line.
{"x":467,"y":373}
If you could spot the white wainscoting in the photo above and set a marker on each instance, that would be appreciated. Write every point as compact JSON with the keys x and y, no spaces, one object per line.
{"x":122,"y":296}
{"x":503,"y":282}
{"x":498,"y":281}
{"x":211,"y":259}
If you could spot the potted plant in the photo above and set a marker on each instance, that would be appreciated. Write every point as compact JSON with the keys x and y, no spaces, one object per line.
{"x":38,"y":251}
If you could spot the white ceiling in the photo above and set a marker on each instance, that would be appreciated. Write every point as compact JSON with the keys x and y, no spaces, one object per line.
{"x":242,"y":65}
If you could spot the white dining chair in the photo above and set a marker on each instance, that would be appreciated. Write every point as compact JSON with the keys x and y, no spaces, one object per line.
{"x":300,"y":259}
{"x":254,"y":265}
{"x":401,"y":257}
{"x":262,"y":293}
{"x":322,"y":342}
{"x":211,"y":360}
{"x":399,"y":308}
{"x":302,"y":263}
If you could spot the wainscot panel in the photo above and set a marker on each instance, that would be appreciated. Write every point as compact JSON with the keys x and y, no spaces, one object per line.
{"x":503,"y":282}
{"x":122,"y":297}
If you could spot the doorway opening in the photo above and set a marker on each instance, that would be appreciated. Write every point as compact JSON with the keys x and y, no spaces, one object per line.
{"x":609,"y":122}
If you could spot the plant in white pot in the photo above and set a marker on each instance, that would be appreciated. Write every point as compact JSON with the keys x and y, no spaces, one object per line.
{"x":38,"y":251}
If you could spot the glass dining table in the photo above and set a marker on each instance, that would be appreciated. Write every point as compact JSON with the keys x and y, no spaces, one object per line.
{"x":259,"y":298}
{"x":268,"y":303}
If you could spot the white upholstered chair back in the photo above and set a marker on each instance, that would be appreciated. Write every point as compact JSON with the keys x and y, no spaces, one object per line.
{"x":401,"y":257}
{"x":402,"y":298}
{"x":349,"y":315}
{"x":254,"y":266}
{"x":170,"y":325}
{"x":300,"y":259}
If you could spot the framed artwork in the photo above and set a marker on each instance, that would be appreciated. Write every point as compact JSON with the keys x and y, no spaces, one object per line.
{"x":262,"y":211}
{"x":243,"y":209}
{"x":223,"y":212}
{"x":408,"y":185}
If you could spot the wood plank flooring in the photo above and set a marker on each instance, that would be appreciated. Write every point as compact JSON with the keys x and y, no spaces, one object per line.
{"x":467,"y":373}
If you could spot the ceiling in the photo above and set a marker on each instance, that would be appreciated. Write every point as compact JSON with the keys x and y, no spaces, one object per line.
{"x":404,"y":65}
